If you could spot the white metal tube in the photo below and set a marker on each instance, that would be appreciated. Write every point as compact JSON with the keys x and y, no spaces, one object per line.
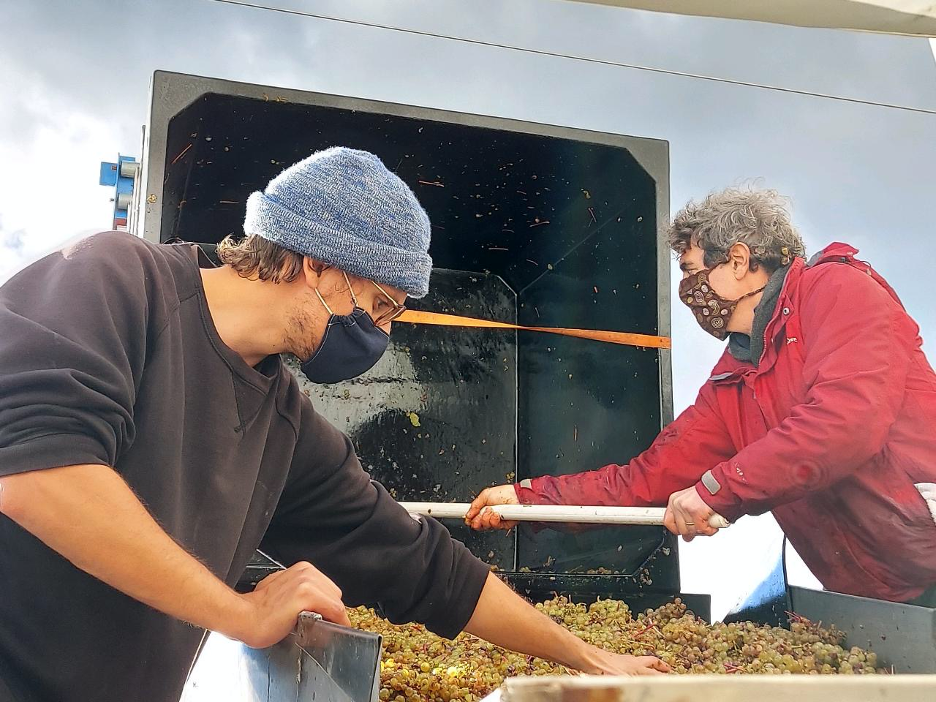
{"x":567,"y":514}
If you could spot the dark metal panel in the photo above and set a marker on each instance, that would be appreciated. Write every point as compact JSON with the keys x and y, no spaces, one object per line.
{"x":903,"y":636}
{"x":436,"y":418}
{"x":173,"y":92}
{"x":541,"y":224}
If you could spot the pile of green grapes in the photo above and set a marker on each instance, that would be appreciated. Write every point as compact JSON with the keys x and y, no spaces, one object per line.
{"x":419,"y":666}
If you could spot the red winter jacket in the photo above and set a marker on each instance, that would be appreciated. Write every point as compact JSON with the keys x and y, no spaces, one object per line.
{"x":831,"y":432}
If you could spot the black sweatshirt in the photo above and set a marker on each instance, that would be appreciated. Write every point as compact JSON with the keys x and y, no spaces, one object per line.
{"x":108,"y":355}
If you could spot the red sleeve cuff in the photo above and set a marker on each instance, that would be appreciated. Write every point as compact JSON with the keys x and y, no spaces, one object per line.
{"x":526,"y":493}
{"x":717,"y":495}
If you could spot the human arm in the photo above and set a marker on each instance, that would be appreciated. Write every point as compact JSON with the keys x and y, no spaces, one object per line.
{"x":77,"y":327}
{"x":89,"y":515}
{"x":332,"y":514}
{"x":504,"y":618}
{"x":679,"y":455}
{"x":857,"y":344}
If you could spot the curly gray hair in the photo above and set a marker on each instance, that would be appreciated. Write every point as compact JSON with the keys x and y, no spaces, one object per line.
{"x":758,"y":218}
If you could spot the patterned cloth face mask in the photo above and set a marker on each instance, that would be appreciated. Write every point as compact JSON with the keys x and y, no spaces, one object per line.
{"x":711,"y":310}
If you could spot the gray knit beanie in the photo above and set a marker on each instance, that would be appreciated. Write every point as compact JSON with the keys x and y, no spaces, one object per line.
{"x":344,"y":208}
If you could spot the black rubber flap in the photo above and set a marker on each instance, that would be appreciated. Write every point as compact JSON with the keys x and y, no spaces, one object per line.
{"x":536,"y":229}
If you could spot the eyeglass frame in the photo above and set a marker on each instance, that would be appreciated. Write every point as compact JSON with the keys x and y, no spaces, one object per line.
{"x":380,"y":321}
{"x":394,"y":313}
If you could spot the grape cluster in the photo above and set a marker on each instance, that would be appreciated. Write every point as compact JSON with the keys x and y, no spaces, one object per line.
{"x":690,"y":645}
{"x":418,"y":666}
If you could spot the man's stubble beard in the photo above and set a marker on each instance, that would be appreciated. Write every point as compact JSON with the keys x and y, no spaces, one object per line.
{"x":300,"y":332}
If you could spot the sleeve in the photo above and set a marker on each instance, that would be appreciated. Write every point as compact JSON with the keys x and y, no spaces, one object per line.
{"x":857,"y":354}
{"x":71,"y":349}
{"x":334,"y":516}
{"x":678,"y":457}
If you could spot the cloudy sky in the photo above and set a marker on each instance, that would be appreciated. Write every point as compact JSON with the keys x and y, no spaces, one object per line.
{"x":75,"y":78}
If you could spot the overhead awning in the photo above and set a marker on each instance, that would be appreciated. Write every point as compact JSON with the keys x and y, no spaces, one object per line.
{"x":907,"y":17}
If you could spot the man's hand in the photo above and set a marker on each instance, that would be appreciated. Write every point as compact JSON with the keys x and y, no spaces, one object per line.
{"x":505,"y":619}
{"x":273,"y":608}
{"x":482,"y":519}
{"x":688,"y":515}
{"x":607,"y":663}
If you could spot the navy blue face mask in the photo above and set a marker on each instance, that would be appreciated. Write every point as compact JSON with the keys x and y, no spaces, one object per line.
{"x":352,"y":345}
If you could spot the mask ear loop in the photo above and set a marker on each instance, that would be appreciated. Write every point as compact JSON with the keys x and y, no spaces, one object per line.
{"x":322,"y":299}
{"x":753,"y":292}
{"x":350,"y":289}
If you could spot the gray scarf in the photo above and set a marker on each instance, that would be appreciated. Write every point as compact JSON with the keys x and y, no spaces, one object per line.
{"x":751,"y":348}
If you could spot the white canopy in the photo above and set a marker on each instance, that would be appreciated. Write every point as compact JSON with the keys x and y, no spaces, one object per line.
{"x":910,"y":17}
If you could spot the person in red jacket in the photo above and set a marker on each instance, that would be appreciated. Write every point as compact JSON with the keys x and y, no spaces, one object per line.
{"x":822,"y":408}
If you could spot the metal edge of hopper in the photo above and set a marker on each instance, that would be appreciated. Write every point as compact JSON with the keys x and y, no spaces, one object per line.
{"x":903,"y":635}
{"x":349,"y":657}
{"x":717,"y":688}
{"x":318,"y":661}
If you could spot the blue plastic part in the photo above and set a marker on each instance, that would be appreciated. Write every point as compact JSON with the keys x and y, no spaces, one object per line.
{"x":110,"y":175}
{"x":769,"y":601}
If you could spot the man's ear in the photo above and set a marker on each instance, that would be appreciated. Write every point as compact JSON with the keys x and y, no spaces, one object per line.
{"x":739,"y":257}
{"x":312,"y":272}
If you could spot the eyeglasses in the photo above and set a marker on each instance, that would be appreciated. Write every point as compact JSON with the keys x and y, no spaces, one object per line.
{"x":393,"y":313}
{"x":396,"y":309}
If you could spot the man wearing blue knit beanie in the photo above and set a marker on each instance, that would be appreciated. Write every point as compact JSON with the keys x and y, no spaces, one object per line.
{"x":151,"y":439}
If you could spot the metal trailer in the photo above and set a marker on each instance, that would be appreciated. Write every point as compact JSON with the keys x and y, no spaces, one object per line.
{"x":534,"y":224}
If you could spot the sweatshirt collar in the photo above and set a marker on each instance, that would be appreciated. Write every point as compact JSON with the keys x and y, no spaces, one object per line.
{"x":252,"y":385}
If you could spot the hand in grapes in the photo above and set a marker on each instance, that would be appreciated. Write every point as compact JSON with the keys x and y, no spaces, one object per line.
{"x":481,"y":518}
{"x":688,"y":515}
{"x":607,"y":663}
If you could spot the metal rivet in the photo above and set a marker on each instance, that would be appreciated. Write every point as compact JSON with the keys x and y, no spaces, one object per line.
{"x":786,"y":310}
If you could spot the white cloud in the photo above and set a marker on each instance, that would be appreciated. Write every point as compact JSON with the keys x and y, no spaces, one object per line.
{"x":48,"y":188}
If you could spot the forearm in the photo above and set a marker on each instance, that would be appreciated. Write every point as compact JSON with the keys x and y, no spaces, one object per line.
{"x":815,"y":447}
{"x":504,"y":618}
{"x":631,"y":485}
{"x":89,"y":515}
{"x":608,"y":486}
{"x":678,"y":457}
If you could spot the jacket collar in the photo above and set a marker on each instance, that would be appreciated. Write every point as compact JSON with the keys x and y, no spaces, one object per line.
{"x":729,"y":368}
{"x":750,"y":349}
{"x":836,"y":251}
